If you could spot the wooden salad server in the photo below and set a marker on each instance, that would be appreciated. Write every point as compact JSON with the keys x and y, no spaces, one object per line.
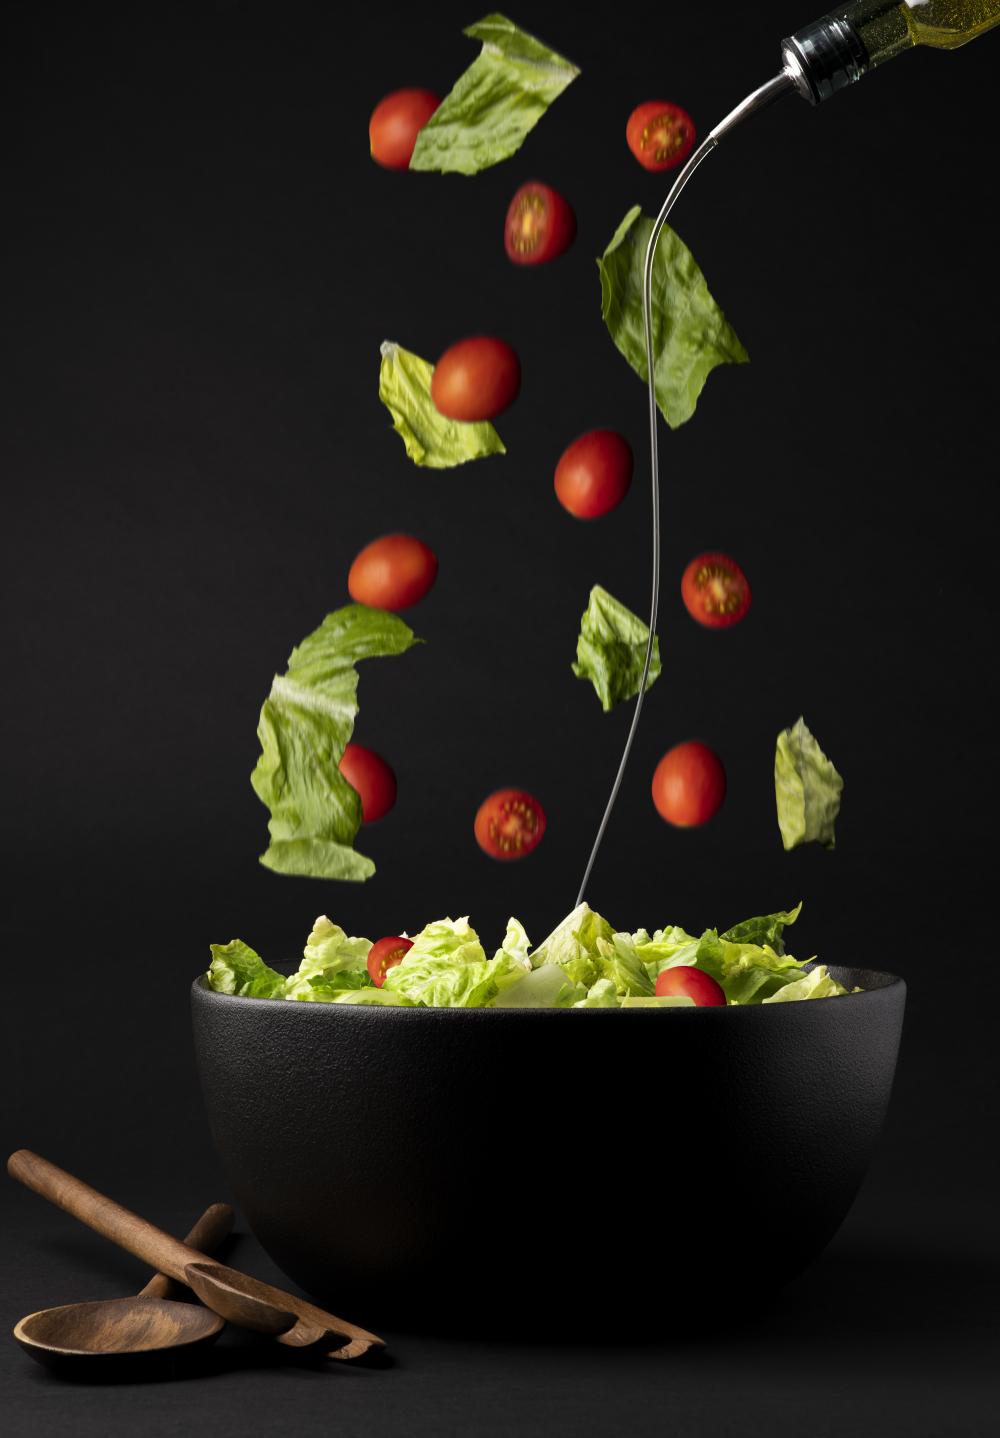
{"x":235,"y":1296}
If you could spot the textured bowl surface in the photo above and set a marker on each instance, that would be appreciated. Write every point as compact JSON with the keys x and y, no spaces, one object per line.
{"x":466,"y":1168}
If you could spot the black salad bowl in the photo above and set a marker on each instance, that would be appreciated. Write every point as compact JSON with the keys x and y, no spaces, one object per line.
{"x":598,"y":1171}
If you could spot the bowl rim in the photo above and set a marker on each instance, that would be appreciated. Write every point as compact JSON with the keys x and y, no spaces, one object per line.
{"x":887,"y":983}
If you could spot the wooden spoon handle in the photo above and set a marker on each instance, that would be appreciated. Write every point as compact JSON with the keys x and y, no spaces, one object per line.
{"x":129,"y":1231}
{"x":208,"y":1234}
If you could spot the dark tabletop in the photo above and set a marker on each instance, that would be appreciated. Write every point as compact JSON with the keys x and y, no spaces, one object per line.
{"x":202,"y":261}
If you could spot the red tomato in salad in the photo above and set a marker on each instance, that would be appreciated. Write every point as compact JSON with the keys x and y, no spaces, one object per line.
{"x":660,"y":135}
{"x":395,"y":124}
{"x":715,"y":590}
{"x":509,"y":824}
{"x":594,"y":473}
{"x":385,"y":955}
{"x":392,"y":572}
{"x":689,"y":785}
{"x":370,"y":775}
{"x":692,"y":983}
{"x":475,"y":379}
{"x":540,"y":225}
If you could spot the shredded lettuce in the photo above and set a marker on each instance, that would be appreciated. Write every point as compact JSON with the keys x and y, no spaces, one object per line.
{"x":583,"y":964}
{"x":493,"y":105}
{"x":807,"y":789}
{"x":305,"y":724}
{"x":611,"y":650}
{"x":691,"y":335}
{"x":431,"y":439}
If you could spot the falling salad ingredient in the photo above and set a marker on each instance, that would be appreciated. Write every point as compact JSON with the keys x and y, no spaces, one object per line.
{"x":430,"y":438}
{"x":476,"y":379}
{"x":510,"y":824}
{"x":493,"y":105}
{"x":393,"y":572}
{"x":715,"y":590}
{"x":807,"y":789}
{"x":660,"y":135}
{"x":305,"y":724}
{"x":540,"y":225}
{"x":395,"y":124}
{"x":611,"y":650}
{"x":584,"y":963}
{"x":689,"y":785}
{"x":594,"y":473}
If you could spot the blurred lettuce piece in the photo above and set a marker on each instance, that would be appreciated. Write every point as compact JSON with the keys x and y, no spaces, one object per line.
{"x":601,"y":995}
{"x":372,"y":996}
{"x":573,"y":945}
{"x":331,"y":962}
{"x":611,"y":650}
{"x":305,"y":724}
{"x":665,"y":1001}
{"x":767,"y":929}
{"x":690,"y":333}
{"x":623,"y":966}
{"x":807,"y":789}
{"x":816,"y":984}
{"x":448,"y":968}
{"x":748,"y":973}
{"x":493,"y":105}
{"x":431,"y":439}
{"x":236,"y":969}
{"x":544,"y":988}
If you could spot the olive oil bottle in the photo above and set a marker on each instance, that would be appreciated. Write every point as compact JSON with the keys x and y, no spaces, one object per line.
{"x":853,"y":39}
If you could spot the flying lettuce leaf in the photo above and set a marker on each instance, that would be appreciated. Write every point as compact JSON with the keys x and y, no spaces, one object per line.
{"x":448,"y":968}
{"x":807,"y":789}
{"x":236,"y":969}
{"x":690,"y":333}
{"x":493,"y":105}
{"x":611,"y":650}
{"x":304,"y":727}
{"x":431,"y":440}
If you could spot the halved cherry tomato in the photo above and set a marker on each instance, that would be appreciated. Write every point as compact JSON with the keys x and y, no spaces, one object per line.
{"x":475,"y":379}
{"x":395,"y":124}
{"x":509,"y":824}
{"x":392,"y":572}
{"x":540,"y":225}
{"x":715,"y":591}
{"x":385,"y":955}
{"x":370,"y":775}
{"x":660,"y":135}
{"x":693,"y":983}
{"x":689,"y":785}
{"x":594,"y":473}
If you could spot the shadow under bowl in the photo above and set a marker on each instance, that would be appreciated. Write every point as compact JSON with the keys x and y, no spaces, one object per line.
{"x":562,"y":1171}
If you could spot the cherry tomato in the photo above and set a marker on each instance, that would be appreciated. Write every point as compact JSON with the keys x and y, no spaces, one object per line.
{"x":540,"y":225}
{"x":693,"y":983}
{"x":660,"y":135}
{"x":715,"y":591}
{"x":594,"y":473}
{"x":370,"y":775}
{"x":395,"y":124}
{"x":689,"y":785}
{"x":476,"y":379}
{"x":392,"y":572}
{"x":385,"y":955}
{"x":509,"y":824}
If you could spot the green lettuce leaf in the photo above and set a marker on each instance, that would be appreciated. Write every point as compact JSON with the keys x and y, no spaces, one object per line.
{"x":573,"y":945}
{"x":660,"y":1001}
{"x":690,"y":333}
{"x":544,"y":988}
{"x":305,"y":724}
{"x":431,"y":440}
{"x":448,"y":968}
{"x":817,"y":984}
{"x":611,"y":650}
{"x":493,"y":105}
{"x":807,"y":789}
{"x":602,"y":995}
{"x":236,"y":969}
{"x":622,"y":965}
{"x":372,"y":996}
{"x":748,"y":973}
{"x":516,"y":942}
{"x":767,"y":929}
{"x":330,"y":963}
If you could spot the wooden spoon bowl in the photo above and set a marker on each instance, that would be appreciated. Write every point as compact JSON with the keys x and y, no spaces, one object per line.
{"x":114,"y":1329}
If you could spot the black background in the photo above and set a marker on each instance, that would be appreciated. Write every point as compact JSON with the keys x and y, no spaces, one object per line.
{"x":202,"y":262}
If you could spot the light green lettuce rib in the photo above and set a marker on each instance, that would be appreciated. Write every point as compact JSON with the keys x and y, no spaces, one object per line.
{"x":431,"y":439}
{"x":691,"y":335}
{"x":494,"y":104}
{"x":305,"y":724}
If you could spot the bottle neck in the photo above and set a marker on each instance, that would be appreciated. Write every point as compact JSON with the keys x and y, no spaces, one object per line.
{"x":838,"y":49}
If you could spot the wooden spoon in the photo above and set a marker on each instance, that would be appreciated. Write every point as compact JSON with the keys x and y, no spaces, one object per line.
{"x":110,"y":1330}
{"x":235,"y":1296}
